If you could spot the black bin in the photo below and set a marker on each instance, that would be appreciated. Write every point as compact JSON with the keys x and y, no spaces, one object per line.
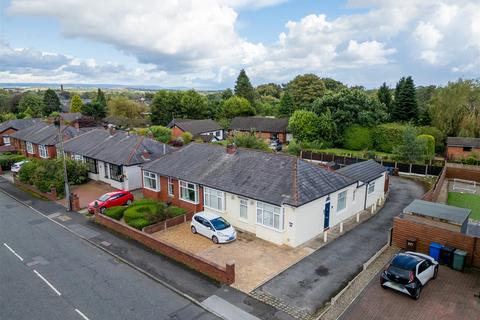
{"x":446,"y":255}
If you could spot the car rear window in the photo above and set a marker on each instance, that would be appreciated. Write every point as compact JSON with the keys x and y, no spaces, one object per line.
{"x":399,"y":271}
{"x":220,"y":223}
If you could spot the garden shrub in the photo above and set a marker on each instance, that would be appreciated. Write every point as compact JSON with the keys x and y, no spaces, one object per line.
{"x":357,"y":138}
{"x":9,"y":158}
{"x":115,"y":212}
{"x":250,"y":140}
{"x":145,"y":210}
{"x":173,"y":211}
{"x":294,"y":148}
{"x":436,"y":134}
{"x":139,"y":223}
{"x":429,"y":142}
{"x":187,"y":137}
{"x":387,"y":136}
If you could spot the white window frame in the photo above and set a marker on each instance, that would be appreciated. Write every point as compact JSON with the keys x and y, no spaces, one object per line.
{"x":185,"y":185}
{"x":78,"y":157}
{"x":29,"y":147}
{"x":340,"y":197}
{"x":244,"y":204}
{"x":371,"y":188}
{"x":149,"y":176}
{"x":262,"y":208}
{"x":6,"y":140}
{"x":208,"y":194}
{"x":171,"y":192}
{"x":43,"y":151}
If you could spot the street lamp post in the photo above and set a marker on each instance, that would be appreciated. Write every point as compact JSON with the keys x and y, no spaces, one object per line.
{"x":62,"y":153}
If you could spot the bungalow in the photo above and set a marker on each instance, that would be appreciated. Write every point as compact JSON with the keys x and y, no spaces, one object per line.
{"x":279,"y":198}
{"x":9,"y":127}
{"x":264,"y":127}
{"x":203,"y":129}
{"x":40,"y":139}
{"x":115,"y":157}
{"x":459,"y":147}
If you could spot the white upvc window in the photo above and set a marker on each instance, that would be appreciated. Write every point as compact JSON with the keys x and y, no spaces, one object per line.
{"x":78,"y":157}
{"x":342,"y":201}
{"x":371,"y":187}
{"x":243,"y":209}
{"x":6,"y":140}
{"x":188,"y":191}
{"x":170,"y":187}
{"x":150,"y":181}
{"x":269,"y":216}
{"x":43,"y":151}
{"x":214,"y":199}
{"x":29,"y":148}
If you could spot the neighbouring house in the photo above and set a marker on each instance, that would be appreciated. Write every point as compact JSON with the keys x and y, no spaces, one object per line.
{"x":40,"y":139}
{"x":277,"y":197}
{"x":114,"y":157}
{"x":437,"y":215}
{"x":372,"y":177}
{"x":9,"y":127}
{"x":459,"y":147}
{"x":207,"y":129}
{"x":264,"y":127}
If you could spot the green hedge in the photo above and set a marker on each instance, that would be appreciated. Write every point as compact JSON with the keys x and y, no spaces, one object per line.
{"x":139,"y":223}
{"x":437,"y":134}
{"x":357,"y":138}
{"x":8,"y":158}
{"x":388,"y":135}
{"x":144,"y":212}
{"x":173,"y":211}
{"x":115,"y":212}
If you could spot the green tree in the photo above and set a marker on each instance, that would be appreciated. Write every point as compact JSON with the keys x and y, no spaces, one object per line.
{"x":429,"y":142}
{"x":405,"y":104}
{"x":269,"y":89}
{"x":287,"y":106}
{"x":333,"y":85}
{"x":424,"y":97}
{"x":193,"y":105}
{"x":358,"y":138}
{"x":412,"y":149}
{"x":120,"y":106}
{"x":7,"y":116}
{"x":237,"y":107}
{"x":385,"y":96}
{"x":33,"y":103}
{"x":100,"y":99}
{"x":4,"y":101}
{"x":304,"y":125}
{"x":161,"y":133}
{"x":76,"y":103}
{"x":305,"y":89}
{"x":227,"y":93}
{"x":243,"y":87}
{"x":94,"y":109}
{"x":164,"y":106}
{"x":51,"y":103}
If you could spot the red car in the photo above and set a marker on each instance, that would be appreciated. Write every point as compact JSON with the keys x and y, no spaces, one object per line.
{"x":111,"y":199}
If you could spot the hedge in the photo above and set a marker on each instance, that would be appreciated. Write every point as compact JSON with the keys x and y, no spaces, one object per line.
{"x":115,"y":212}
{"x":437,"y":134}
{"x":388,"y":135}
{"x":8,"y":158}
{"x":357,"y":138}
{"x":139,"y":223}
{"x":173,"y":211}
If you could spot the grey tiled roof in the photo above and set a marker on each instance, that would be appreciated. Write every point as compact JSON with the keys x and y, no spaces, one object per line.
{"x":438,"y":210}
{"x":119,"y":148}
{"x":70,"y":116}
{"x":18,"y":124}
{"x":45,"y":134}
{"x":268,"y":177}
{"x":263,"y":124}
{"x":463,"y":142}
{"x":195,"y":127}
{"x":364,"y":171}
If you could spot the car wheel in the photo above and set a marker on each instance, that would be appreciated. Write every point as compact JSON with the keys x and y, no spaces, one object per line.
{"x":418,"y":290}
{"x":129,"y":202}
{"x":102,"y":210}
{"x":215,"y":239}
{"x":435,"y":273}
{"x":194,"y":230}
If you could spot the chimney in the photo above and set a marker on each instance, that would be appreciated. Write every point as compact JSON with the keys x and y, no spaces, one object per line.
{"x":145,"y":155}
{"x":231,"y":148}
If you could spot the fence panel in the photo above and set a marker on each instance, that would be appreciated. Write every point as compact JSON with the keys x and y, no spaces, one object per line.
{"x":419,"y":168}
{"x":434,"y":170}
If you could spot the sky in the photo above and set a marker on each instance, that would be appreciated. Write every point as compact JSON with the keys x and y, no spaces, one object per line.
{"x":203,"y":44}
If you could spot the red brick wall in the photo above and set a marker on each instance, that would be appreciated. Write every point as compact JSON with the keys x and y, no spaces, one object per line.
{"x":457,"y":152}
{"x":7,"y":132}
{"x":52,"y":195}
{"x":265,"y":135}
{"x":219,"y":273}
{"x":20,"y":145}
{"x":425,"y":234}
{"x":176,"y":132}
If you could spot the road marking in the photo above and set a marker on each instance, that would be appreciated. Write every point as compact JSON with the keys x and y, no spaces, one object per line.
{"x":48,"y":283}
{"x":13,"y":251}
{"x":81,"y":314}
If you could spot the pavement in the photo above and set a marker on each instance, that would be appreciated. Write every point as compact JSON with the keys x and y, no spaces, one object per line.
{"x":167,"y":273}
{"x":313,"y":281}
{"x":449,"y":297}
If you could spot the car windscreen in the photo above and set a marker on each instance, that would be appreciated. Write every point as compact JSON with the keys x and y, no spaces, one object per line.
{"x":220,"y":223}
{"x":104,"y":197}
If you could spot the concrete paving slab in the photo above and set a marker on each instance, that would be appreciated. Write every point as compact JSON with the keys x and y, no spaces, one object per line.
{"x":227,"y":310}
{"x":84,"y":231}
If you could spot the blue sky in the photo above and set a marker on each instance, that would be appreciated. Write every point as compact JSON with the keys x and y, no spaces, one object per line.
{"x":203,"y":44}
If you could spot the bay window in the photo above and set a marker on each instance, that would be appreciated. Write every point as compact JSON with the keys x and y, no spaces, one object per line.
{"x":150,"y":181}
{"x":188,"y":192}
{"x":214,"y":199}
{"x":342,"y":201}
{"x":269,"y":216}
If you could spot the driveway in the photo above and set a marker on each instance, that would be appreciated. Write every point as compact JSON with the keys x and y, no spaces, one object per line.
{"x":88,"y":192}
{"x":256,"y":260}
{"x":313,"y":281}
{"x":450,"y":296}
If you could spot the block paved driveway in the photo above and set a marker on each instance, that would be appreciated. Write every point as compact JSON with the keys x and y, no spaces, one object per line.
{"x":449,"y":297}
{"x":313,"y":281}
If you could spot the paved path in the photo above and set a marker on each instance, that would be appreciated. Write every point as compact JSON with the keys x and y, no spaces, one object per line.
{"x":309,"y":284}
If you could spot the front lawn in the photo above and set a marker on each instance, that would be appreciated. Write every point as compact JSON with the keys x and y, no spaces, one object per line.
{"x":466,"y":200}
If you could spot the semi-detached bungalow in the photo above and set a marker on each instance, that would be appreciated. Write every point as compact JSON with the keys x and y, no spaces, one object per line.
{"x":9,"y":127}
{"x":279,"y":198}
{"x":266,"y":128}
{"x":205,"y":129}
{"x":114,"y":157}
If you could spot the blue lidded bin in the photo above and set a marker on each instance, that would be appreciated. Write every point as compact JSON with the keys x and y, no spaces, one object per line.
{"x":434,"y":251}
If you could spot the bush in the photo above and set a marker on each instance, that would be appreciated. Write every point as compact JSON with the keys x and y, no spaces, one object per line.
{"x":173,"y":211}
{"x":387,"y":136}
{"x":358,"y":138}
{"x":250,"y":140}
{"x":115,"y":212}
{"x":429,"y":143}
{"x":294,"y":148}
{"x":436,"y":134}
{"x":139,"y":223}
{"x":187,"y":137}
{"x":144,"y":210}
{"x":7,"y":159}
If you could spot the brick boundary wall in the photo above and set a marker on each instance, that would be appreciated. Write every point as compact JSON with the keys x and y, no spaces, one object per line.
{"x":212,"y":270}
{"x":49,"y":195}
{"x":432,"y":194}
{"x":160,"y":226}
{"x":404,"y":229}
